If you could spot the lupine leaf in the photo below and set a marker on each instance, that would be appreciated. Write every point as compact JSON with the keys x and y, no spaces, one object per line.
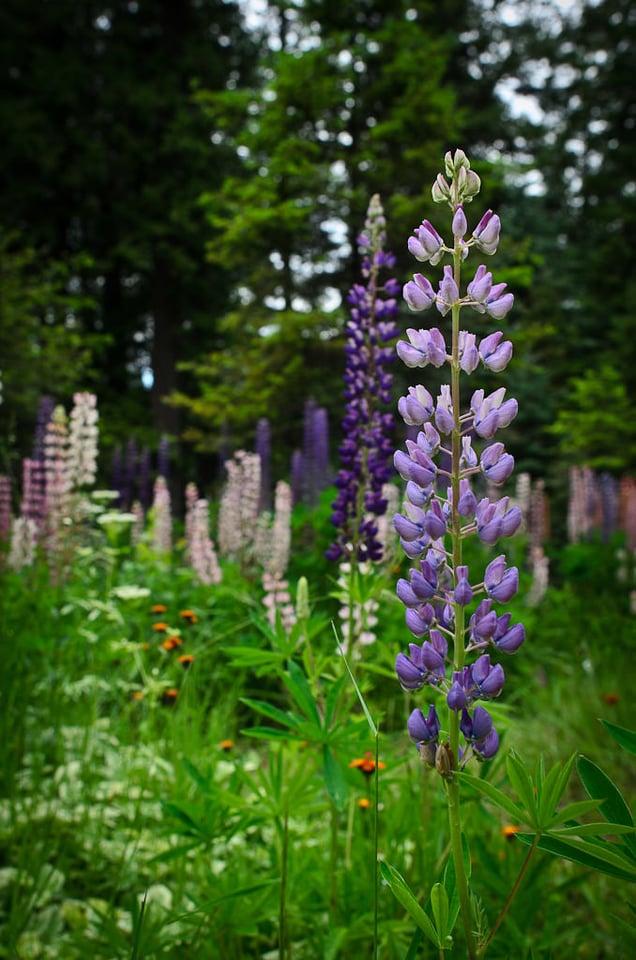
{"x":613,"y":808}
{"x":334,"y":780}
{"x":450,"y":883}
{"x":553,"y":788}
{"x":593,"y":855}
{"x":331,"y":701}
{"x":623,"y":737}
{"x":403,"y":893}
{"x":272,"y":733}
{"x":593,"y":829}
{"x":440,"y":907}
{"x":571,"y":812}
{"x":498,"y":797}
{"x":599,"y":786}
{"x":522,"y":783}
{"x":284,"y":717}
{"x":297,"y":684}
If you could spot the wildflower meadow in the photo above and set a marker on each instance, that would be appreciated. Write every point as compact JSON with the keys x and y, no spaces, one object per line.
{"x":370,"y":706}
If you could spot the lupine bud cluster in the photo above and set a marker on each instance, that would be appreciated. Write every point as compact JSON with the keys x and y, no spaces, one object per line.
{"x":365,"y":452}
{"x":454,"y":614}
{"x":162,"y":521}
{"x":82,"y":441}
{"x":238,"y":509}
{"x":200,"y":549}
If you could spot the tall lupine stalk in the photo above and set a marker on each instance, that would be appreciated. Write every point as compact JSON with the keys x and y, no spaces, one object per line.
{"x":238,"y":509}
{"x":273,"y":548}
{"x":57,"y":480}
{"x":366,"y":451}
{"x":200,"y":549}
{"x":5,"y":508}
{"x":83,"y":437}
{"x":452,"y":662}
{"x":162,"y":517}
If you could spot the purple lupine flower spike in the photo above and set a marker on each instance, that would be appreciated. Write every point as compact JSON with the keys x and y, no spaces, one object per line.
{"x":366,"y":451}
{"x":458,"y":447}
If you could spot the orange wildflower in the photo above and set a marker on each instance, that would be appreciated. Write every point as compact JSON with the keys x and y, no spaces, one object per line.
{"x":366,"y":764}
{"x":509,"y":831}
{"x":169,"y":696}
{"x":189,"y":616}
{"x":158,"y":608}
{"x":364,"y":803}
{"x":186,"y":660}
{"x":160,"y":627}
{"x":611,"y":698}
{"x":226,"y":745}
{"x":171,"y":643}
{"x":138,"y":695}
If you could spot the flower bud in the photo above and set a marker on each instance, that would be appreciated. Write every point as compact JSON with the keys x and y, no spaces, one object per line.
{"x":441,"y":191}
{"x":460,"y":224}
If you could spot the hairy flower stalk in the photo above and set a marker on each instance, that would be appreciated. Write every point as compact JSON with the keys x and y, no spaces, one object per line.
{"x":454,"y":614}
{"x":365,"y":452}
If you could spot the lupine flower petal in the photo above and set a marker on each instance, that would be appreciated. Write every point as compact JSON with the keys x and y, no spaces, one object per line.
{"x":423,"y":729}
{"x":486,"y":233}
{"x":410,"y":676}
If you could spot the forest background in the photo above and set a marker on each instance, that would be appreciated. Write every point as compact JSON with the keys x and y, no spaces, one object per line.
{"x":183,"y":182}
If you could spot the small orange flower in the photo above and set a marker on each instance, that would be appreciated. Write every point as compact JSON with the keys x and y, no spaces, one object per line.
{"x":189,"y":616}
{"x":226,"y":745}
{"x":611,"y":698}
{"x":160,"y":627}
{"x":366,"y":764}
{"x":169,"y":696}
{"x":158,"y":608}
{"x":171,"y":643}
{"x":138,"y":695}
{"x":509,"y":831}
{"x":186,"y":660}
{"x":364,"y":803}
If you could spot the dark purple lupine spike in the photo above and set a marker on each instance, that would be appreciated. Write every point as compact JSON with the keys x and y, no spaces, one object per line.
{"x":366,"y":451}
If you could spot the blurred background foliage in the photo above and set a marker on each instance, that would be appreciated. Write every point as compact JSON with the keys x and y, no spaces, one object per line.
{"x":184,"y":181}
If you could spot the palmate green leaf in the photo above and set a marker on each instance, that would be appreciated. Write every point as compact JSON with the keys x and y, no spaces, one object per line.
{"x":570,"y":812}
{"x":553,"y":788}
{"x":331,"y":701}
{"x":599,"y":828}
{"x":623,"y":737}
{"x":272,"y":733}
{"x":496,"y":796}
{"x":404,"y":895}
{"x":613,"y":806}
{"x":523,"y":785}
{"x":599,"y":786}
{"x":285,"y":717}
{"x":334,"y":780}
{"x":600,"y":857}
{"x":298,"y":685}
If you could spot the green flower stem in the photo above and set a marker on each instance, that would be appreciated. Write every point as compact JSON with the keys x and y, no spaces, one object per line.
{"x":513,"y":892}
{"x":452,"y":786}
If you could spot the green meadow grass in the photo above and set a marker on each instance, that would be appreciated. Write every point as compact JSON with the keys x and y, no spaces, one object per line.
{"x":140,"y":822}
